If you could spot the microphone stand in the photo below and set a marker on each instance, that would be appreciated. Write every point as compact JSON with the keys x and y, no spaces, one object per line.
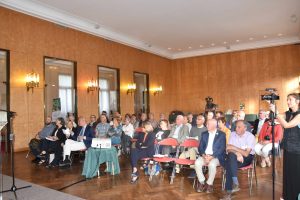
{"x":13,"y":188}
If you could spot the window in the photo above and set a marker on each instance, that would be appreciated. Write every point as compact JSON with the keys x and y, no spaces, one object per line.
{"x":108,"y":90}
{"x":59,"y":88}
{"x":65,"y":93}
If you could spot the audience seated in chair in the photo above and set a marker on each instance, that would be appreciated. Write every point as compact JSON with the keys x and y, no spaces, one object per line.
{"x":186,"y":122}
{"x":134,"y":121}
{"x":34,"y":144}
{"x":258,"y":123}
{"x":264,"y":145}
{"x":161,"y":133}
{"x":212,"y":151}
{"x":153,"y":122}
{"x":54,"y":143}
{"x":195,"y":133}
{"x":79,"y":140}
{"x":179,"y":131}
{"x":115,"y":131}
{"x":222,"y":127}
{"x":144,"y":148}
{"x":240,"y":154}
{"x":102,"y":127}
{"x":93,"y":122}
{"x":128,"y":132}
{"x":241,"y":116}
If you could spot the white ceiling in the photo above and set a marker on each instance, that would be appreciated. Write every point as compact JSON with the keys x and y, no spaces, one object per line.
{"x":176,"y":28}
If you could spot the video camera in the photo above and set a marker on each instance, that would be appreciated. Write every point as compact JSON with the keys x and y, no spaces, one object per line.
{"x":271,"y":95}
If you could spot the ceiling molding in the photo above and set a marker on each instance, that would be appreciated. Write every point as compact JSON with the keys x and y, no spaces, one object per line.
{"x":60,"y":17}
{"x":239,"y":47}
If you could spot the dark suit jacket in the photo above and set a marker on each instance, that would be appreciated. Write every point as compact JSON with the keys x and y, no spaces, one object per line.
{"x":219,"y":145}
{"x":148,"y":144}
{"x":254,"y":131}
{"x":88,"y":133}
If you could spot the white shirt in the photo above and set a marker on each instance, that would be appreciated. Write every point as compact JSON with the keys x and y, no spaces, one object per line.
{"x":211,"y":137}
{"x":128,"y":129}
{"x":176,"y":132}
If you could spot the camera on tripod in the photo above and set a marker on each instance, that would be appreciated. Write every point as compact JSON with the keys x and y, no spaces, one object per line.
{"x":271,"y":95}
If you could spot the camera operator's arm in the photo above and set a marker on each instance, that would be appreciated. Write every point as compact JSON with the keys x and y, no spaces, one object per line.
{"x":281,"y":119}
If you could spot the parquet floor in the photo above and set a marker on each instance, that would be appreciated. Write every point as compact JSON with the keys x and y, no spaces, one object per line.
{"x":118,"y":187}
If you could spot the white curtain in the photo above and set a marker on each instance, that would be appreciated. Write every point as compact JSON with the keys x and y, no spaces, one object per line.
{"x":65,"y":93}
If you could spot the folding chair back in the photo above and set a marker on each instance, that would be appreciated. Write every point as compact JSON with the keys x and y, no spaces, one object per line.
{"x":169,"y":142}
{"x":190,"y":143}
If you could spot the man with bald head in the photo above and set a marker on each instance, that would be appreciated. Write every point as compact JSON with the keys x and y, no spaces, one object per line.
{"x":81,"y":139}
{"x":240,"y":150}
{"x":212,"y":153}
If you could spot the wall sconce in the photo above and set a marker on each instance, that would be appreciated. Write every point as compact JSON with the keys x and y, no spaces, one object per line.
{"x":32,"y":80}
{"x":157,"y":90}
{"x":92,"y":85}
{"x":131,"y":88}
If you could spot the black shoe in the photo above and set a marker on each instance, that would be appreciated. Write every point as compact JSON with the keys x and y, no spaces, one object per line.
{"x":66,"y":162}
{"x":36,"y":160}
{"x":51,"y":166}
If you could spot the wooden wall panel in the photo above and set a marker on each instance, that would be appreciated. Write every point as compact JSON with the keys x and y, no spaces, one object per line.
{"x":233,"y":78}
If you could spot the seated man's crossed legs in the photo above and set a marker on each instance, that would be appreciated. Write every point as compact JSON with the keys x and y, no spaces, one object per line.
{"x":71,"y":145}
{"x":212,"y":170}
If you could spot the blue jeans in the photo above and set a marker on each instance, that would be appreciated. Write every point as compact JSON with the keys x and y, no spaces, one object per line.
{"x":232,"y":165}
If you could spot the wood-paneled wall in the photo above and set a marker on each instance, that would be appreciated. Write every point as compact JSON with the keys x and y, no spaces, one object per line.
{"x":237,"y":77}
{"x":230,"y":78}
{"x":30,"y":39}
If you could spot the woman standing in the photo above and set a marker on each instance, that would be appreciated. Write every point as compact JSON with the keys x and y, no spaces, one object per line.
{"x":290,"y":121}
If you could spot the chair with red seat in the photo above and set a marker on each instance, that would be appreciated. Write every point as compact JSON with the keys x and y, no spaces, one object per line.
{"x":188,"y":143}
{"x":163,"y":159}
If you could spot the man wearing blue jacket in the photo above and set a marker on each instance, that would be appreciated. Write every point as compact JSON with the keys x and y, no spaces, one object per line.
{"x":212,"y":150}
{"x":81,"y":139}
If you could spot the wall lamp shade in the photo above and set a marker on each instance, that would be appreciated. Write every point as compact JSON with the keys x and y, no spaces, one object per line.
{"x":92,"y":85}
{"x":157,"y":90}
{"x":131,"y":88}
{"x":32,"y":80}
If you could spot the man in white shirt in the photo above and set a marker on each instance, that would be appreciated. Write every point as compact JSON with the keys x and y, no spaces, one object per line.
{"x":212,"y":151}
{"x":80,"y":140}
